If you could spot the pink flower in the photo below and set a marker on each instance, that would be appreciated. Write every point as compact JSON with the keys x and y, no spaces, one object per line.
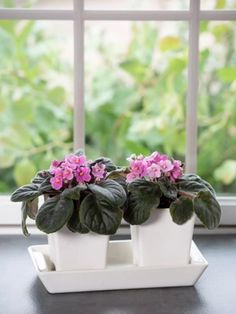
{"x":154,"y":171}
{"x":156,"y":157}
{"x":56,"y":182}
{"x":68,"y":173}
{"x":177,"y":170}
{"x":131,"y":177}
{"x":83,"y":174}
{"x":57,"y":172}
{"x":55,"y":163}
{"x":166,"y":165}
{"x":76,"y":160}
{"x":98,"y":170}
{"x":139,"y":167}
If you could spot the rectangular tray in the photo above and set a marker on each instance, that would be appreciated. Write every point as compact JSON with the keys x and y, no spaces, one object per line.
{"x":120,"y":272}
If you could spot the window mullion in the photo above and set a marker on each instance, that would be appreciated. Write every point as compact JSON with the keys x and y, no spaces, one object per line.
{"x":79,"y":115}
{"x":192,"y":94}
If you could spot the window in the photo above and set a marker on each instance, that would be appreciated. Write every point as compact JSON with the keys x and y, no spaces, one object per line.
{"x":142,"y":61}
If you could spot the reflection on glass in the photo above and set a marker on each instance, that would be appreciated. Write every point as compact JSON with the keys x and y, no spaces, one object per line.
{"x":217,"y":105}
{"x":135,"y":88}
{"x":36,"y":97}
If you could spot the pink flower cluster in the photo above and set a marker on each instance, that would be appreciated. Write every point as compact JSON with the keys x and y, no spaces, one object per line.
{"x":153,"y":167}
{"x":75,"y":170}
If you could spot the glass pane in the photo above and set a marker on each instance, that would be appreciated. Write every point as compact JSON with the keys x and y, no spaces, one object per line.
{"x":218,"y":4}
{"x":36,"y":97}
{"x":136,"y":4}
{"x":217,"y":105}
{"x":135,"y":88}
{"x":40,"y":4}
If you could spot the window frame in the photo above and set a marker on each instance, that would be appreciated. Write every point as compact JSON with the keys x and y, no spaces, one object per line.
{"x":9,"y":213}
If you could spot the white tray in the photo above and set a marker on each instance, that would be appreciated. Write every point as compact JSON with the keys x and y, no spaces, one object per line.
{"x":120,"y":272}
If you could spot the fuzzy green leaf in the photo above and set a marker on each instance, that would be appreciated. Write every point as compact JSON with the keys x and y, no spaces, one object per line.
{"x":193,"y":183}
{"x":74,"y":224}
{"x":74,"y":193}
{"x":207,"y":209}
{"x":143,"y":197}
{"x":54,"y":214}
{"x":46,"y":187}
{"x":79,"y":152}
{"x":24,"y":215}
{"x":32,"y":208}
{"x":168,"y":189}
{"x":40,"y":177}
{"x":98,"y":215}
{"x":105,"y":161}
{"x":25,"y":193}
{"x":111,"y":190}
{"x":181,"y":210}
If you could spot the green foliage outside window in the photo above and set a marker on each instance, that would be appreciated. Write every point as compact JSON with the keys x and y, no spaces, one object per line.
{"x":135,"y":100}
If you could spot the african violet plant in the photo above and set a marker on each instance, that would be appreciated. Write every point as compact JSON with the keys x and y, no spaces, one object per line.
{"x":77,"y":193}
{"x":156,"y":181}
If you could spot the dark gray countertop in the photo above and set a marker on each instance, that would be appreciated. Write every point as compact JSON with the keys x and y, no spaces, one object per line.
{"x":21,"y":292}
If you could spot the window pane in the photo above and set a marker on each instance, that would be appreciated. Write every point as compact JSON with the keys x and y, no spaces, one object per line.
{"x":36,"y":97}
{"x":135,"y":88}
{"x":218,"y":4}
{"x":40,"y":4}
{"x":217,"y":105}
{"x":136,"y":4}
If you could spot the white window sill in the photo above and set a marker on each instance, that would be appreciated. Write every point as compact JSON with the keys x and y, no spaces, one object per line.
{"x":10,"y":218}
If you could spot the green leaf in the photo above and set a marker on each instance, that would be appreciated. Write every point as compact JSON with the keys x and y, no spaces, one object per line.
{"x":32,"y":208}
{"x":74,"y":193}
{"x":181,"y":210}
{"x":169,"y":43}
{"x":220,"y":4}
{"x":226,"y":173}
{"x":24,"y":211}
{"x":193,"y":183}
{"x":46,"y":187}
{"x":79,"y":152}
{"x":135,"y":68}
{"x":227,"y":75}
{"x":105,"y":161}
{"x":110,"y":190}
{"x":25,"y":193}
{"x":207,"y":209}
{"x":97,"y":214}
{"x":54,"y":214}
{"x":24,"y":171}
{"x":143,"y":197}
{"x":74,"y":224}
{"x":28,"y":209}
{"x":168,"y":188}
{"x":57,"y":95}
{"x":40,"y":177}
{"x":119,"y":175}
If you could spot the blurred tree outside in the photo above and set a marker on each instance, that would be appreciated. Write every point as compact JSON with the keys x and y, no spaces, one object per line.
{"x":135,"y":99}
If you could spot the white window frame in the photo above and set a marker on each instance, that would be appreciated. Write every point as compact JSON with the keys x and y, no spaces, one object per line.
{"x":10,"y":213}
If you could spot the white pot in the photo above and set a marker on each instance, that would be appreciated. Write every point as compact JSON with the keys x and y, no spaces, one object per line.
{"x":75,"y":251}
{"x":161,"y":242}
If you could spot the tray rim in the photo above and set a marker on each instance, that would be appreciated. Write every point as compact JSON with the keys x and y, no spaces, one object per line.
{"x":201,"y":261}
{"x":112,"y":277}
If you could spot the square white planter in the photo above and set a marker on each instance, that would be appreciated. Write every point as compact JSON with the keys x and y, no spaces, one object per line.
{"x":161,"y":242}
{"x":75,"y":251}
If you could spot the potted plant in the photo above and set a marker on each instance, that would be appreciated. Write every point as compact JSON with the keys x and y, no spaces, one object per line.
{"x":161,"y":206}
{"x":81,"y":208}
